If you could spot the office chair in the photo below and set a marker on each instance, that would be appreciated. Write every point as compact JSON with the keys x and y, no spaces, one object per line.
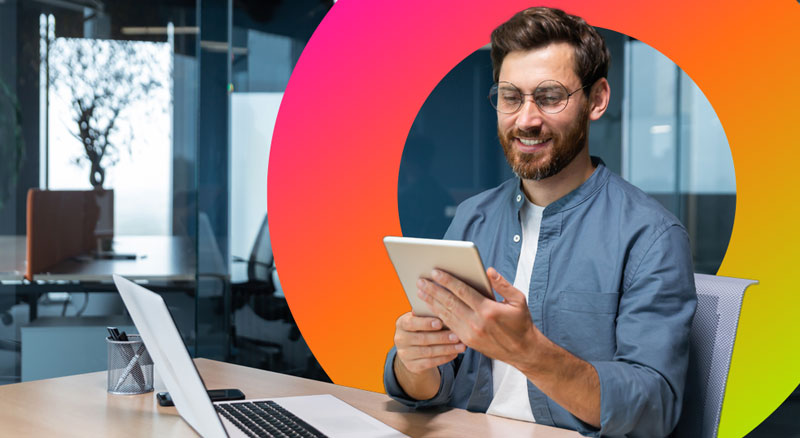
{"x":259,"y":289}
{"x":258,"y":293}
{"x":713,"y":332}
{"x":263,"y":309}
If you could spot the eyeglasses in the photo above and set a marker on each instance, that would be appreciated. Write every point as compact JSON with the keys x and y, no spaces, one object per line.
{"x":550,"y":96}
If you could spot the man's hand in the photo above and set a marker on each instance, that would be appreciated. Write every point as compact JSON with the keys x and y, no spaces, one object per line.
{"x":422,"y":345}
{"x":502,"y":331}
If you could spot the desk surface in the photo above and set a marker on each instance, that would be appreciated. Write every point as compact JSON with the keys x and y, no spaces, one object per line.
{"x":167,"y":258}
{"x":80,"y":406}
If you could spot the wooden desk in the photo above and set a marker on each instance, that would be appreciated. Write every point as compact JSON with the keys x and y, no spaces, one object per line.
{"x":80,"y":406}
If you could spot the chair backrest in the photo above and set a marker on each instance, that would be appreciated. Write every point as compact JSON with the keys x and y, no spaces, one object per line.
{"x":65,"y":223}
{"x":719,"y":302}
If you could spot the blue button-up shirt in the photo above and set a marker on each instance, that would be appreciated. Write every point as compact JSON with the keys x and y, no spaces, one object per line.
{"x":612,"y":283}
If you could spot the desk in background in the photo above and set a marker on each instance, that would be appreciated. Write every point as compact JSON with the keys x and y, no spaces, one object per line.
{"x":159,"y":258}
{"x":166,"y":263}
{"x":80,"y":406}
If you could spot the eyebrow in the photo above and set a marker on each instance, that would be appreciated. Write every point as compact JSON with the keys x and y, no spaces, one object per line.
{"x":546,"y":89}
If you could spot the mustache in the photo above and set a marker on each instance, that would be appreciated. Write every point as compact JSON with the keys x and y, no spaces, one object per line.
{"x":530,"y":133}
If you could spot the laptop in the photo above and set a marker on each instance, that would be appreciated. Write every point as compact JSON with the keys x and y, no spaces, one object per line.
{"x":304,"y":416}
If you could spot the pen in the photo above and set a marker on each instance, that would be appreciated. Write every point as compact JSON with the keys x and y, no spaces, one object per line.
{"x":122,"y":337}
{"x":113,"y":333}
{"x":127,"y":371}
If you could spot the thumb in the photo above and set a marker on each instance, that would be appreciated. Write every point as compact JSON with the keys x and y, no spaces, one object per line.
{"x":511,"y":294}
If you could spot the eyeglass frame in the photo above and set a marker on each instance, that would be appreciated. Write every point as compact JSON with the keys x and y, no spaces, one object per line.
{"x":522,"y":101}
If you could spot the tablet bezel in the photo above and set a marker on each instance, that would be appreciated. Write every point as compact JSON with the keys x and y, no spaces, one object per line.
{"x":414,"y":257}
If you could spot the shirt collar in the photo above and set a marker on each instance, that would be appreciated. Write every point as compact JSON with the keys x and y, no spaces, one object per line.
{"x":573,"y":198}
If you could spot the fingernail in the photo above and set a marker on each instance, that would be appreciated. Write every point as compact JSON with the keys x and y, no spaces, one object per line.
{"x":421,"y":294}
{"x":420,"y":283}
{"x":436,"y":273}
{"x":453,"y":337}
{"x":436,"y":324}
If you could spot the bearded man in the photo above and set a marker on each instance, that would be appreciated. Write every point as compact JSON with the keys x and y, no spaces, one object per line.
{"x":592,"y":334}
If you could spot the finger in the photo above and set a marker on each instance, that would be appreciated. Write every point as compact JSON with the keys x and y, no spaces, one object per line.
{"x":419,"y":365}
{"x":405,"y":339}
{"x":452,"y":311}
{"x":412,"y":323}
{"x":463,"y":291}
{"x":441,"y":337}
{"x":427,"y":351}
{"x":443,"y":295}
{"x":504,"y":288}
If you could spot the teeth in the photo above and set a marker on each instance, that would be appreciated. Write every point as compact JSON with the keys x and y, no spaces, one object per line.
{"x":530,"y":142}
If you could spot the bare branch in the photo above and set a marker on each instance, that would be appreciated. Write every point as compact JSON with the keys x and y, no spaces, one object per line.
{"x":103,"y":78}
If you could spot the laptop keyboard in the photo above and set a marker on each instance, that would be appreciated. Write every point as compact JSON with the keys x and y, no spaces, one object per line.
{"x":266,"y":419}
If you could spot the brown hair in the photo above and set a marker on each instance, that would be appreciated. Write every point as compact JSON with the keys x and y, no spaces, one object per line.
{"x":535,"y":28}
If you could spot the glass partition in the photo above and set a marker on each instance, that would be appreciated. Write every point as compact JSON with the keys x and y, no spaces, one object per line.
{"x":266,"y":44}
{"x":141,"y":130}
{"x":104,"y":103}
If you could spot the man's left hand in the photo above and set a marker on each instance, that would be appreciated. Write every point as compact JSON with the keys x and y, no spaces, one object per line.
{"x":500,"y":330}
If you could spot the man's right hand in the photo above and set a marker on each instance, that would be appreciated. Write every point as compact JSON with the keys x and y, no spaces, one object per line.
{"x":422,"y":345}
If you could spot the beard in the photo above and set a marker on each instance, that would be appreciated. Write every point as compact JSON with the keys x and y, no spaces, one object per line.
{"x":565,"y":146}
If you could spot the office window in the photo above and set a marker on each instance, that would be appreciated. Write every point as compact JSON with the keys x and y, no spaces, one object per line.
{"x":676,"y":151}
{"x":112,"y":100}
{"x":653,"y":120}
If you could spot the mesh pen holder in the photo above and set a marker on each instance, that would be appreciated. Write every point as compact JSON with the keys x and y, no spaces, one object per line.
{"x":130,"y":369}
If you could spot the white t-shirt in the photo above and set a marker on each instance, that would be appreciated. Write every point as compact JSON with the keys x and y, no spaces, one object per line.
{"x":510,"y":386}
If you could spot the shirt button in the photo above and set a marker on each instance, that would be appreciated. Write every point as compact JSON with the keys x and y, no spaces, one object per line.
{"x":516,"y":238}
{"x":519,"y":198}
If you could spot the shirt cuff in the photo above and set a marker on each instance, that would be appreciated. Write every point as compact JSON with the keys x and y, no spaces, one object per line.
{"x":635,"y":400}
{"x":395,"y":391}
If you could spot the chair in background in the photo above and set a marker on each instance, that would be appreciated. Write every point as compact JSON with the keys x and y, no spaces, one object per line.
{"x":66,"y":223}
{"x":713,"y":332}
{"x":265,"y":334}
{"x":261,"y":285}
{"x":258,"y":294}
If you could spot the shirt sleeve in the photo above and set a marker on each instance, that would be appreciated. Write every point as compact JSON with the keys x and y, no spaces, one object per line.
{"x":394,"y":390}
{"x":641,"y":390}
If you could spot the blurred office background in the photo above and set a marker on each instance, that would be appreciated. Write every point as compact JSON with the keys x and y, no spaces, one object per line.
{"x":168,"y":106}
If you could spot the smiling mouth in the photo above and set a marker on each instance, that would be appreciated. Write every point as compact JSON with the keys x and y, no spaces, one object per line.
{"x":530,"y":141}
{"x":531,"y":145}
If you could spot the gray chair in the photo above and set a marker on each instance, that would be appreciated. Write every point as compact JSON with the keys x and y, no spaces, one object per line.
{"x":719,"y":302}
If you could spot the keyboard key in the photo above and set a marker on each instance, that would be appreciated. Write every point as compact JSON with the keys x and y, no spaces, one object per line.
{"x":267,"y":419}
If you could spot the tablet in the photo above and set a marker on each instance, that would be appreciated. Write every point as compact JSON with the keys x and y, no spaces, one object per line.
{"x":414,"y":258}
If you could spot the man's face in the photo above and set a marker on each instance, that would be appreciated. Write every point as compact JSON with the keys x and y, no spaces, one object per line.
{"x":538,"y":145}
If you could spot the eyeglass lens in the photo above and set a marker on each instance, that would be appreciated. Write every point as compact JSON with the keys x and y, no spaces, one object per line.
{"x":550,"y":96}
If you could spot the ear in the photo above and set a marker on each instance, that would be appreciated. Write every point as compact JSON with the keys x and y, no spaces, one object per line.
{"x":598,"y":99}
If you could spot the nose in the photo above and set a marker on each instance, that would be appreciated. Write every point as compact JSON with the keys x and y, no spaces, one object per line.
{"x":529,"y":115}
